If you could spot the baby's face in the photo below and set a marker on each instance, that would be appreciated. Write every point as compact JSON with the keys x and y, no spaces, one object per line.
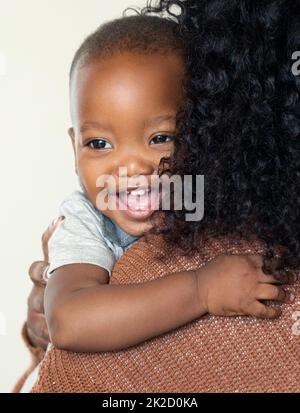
{"x":124,"y":115}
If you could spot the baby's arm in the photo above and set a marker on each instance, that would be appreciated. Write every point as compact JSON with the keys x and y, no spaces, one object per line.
{"x":86,"y":314}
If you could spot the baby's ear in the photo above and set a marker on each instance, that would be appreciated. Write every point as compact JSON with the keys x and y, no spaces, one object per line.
{"x":72,"y":136}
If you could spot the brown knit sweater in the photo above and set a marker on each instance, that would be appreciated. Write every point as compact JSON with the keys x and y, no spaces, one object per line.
{"x":212,"y":354}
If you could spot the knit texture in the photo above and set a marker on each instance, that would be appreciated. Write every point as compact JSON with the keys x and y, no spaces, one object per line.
{"x":212,"y":354}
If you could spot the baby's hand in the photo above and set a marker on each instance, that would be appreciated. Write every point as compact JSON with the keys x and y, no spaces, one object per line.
{"x":236,"y":285}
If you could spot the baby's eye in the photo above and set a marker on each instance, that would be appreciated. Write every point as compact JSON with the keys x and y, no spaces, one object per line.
{"x":99,"y":144}
{"x":162,"y":139}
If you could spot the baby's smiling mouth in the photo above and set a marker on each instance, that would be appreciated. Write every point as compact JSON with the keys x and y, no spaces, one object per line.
{"x":138,"y":203}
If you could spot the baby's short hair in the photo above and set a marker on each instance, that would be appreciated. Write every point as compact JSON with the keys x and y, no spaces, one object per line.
{"x":139,"y":33}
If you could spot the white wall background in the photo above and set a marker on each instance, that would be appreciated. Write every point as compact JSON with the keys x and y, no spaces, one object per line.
{"x":37,"y":41}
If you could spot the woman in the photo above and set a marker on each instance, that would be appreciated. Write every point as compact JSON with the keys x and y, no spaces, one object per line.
{"x":240,"y":129}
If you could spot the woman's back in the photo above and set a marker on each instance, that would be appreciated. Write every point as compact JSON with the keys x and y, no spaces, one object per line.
{"x":212,"y":354}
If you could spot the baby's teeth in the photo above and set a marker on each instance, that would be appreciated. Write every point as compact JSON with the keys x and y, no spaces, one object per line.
{"x":138,"y":192}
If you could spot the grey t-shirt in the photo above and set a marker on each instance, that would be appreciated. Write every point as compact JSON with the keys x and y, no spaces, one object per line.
{"x":86,"y":236}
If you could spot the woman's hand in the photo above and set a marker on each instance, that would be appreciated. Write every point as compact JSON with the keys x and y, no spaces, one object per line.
{"x":236,"y":285}
{"x":36,"y":323}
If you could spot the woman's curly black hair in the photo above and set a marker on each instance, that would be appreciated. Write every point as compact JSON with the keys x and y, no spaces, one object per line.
{"x":241,"y":123}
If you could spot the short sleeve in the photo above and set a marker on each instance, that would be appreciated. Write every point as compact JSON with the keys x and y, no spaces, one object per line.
{"x":79,"y":239}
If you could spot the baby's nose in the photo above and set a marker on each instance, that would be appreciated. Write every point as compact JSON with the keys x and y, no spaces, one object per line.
{"x":137,"y":166}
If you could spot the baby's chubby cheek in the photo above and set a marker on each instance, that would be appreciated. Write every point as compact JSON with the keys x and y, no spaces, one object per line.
{"x":109,"y":209}
{"x":90,"y":178}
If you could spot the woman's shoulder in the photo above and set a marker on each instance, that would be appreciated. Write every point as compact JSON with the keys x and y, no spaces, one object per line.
{"x":152,"y":257}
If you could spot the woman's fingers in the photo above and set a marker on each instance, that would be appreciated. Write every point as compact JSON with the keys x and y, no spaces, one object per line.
{"x":36,"y":299}
{"x":37,"y":329}
{"x":274,"y":293}
{"x":47,"y":235}
{"x":36,"y":272}
{"x":37,"y":341}
{"x":36,"y":321}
